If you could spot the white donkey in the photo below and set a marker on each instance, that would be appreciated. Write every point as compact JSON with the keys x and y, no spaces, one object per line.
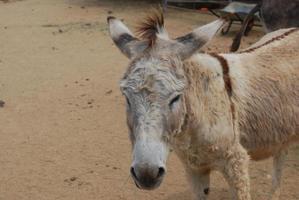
{"x":216,"y":111}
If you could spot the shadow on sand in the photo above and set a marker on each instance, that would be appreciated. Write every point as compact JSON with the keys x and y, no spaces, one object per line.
{"x":216,"y":194}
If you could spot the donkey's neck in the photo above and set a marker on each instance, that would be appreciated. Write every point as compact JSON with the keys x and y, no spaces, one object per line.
{"x":207,"y":100}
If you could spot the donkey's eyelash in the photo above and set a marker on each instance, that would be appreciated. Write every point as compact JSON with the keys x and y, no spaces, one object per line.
{"x":175,"y":99}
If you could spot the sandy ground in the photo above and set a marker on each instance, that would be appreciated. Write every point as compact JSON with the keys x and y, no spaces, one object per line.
{"x":62,"y":128}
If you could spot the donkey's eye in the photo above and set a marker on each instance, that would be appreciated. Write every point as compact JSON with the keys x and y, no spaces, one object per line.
{"x":174,"y":100}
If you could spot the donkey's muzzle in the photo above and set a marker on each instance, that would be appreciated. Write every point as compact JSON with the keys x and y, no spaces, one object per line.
{"x":147,"y":177}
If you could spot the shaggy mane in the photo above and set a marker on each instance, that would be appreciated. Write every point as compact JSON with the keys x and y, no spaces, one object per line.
{"x":152,"y":25}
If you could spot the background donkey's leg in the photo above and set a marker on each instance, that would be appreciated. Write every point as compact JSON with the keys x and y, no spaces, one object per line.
{"x":200,"y":181}
{"x":278,"y":161}
{"x":235,"y":171}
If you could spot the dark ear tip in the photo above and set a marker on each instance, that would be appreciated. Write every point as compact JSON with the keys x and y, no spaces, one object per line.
{"x":110,"y":18}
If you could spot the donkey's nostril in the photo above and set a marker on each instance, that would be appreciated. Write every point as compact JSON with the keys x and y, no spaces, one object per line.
{"x":161,"y":172}
{"x":133,"y":172}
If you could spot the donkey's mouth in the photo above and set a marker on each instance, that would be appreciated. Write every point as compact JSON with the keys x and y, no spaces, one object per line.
{"x":147,"y":183}
{"x":137,"y":185}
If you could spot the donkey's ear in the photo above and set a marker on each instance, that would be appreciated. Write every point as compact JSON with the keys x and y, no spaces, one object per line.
{"x":190,"y":43}
{"x":124,"y":39}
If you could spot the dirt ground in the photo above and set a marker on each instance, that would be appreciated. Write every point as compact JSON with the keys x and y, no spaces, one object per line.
{"x":62,"y":128}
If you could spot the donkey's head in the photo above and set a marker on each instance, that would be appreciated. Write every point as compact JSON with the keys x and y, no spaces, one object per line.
{"x":153,"y":87}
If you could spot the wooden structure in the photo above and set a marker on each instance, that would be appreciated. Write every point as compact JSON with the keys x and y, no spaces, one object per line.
{"x":237,"y":11}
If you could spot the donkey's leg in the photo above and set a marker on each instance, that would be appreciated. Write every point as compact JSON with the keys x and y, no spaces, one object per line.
{"x":278,"y":161}
{"x":235,"y":171}
{"x":200,"y":182}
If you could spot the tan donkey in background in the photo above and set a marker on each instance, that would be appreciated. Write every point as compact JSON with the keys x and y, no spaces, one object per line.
{"x":216,"y":111}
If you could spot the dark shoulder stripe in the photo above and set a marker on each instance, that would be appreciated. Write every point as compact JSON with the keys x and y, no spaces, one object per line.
{"x":227,"y":80}
{"x":279,"y":37}
{"x":225,"y":71}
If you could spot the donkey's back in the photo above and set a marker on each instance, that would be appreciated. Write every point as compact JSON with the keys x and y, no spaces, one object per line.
{"x":267,"y":80}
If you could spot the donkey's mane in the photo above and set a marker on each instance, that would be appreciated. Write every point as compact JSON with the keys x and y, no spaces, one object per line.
{"x":152,"y":25}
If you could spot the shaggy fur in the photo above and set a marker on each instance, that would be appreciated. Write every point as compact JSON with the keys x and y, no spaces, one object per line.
{"x":216,"y":111}
{"x":265,"y":92}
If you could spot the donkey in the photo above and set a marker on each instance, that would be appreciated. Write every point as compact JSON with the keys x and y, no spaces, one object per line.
{"x":216,"y":111}
{"x":276,"y":14}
